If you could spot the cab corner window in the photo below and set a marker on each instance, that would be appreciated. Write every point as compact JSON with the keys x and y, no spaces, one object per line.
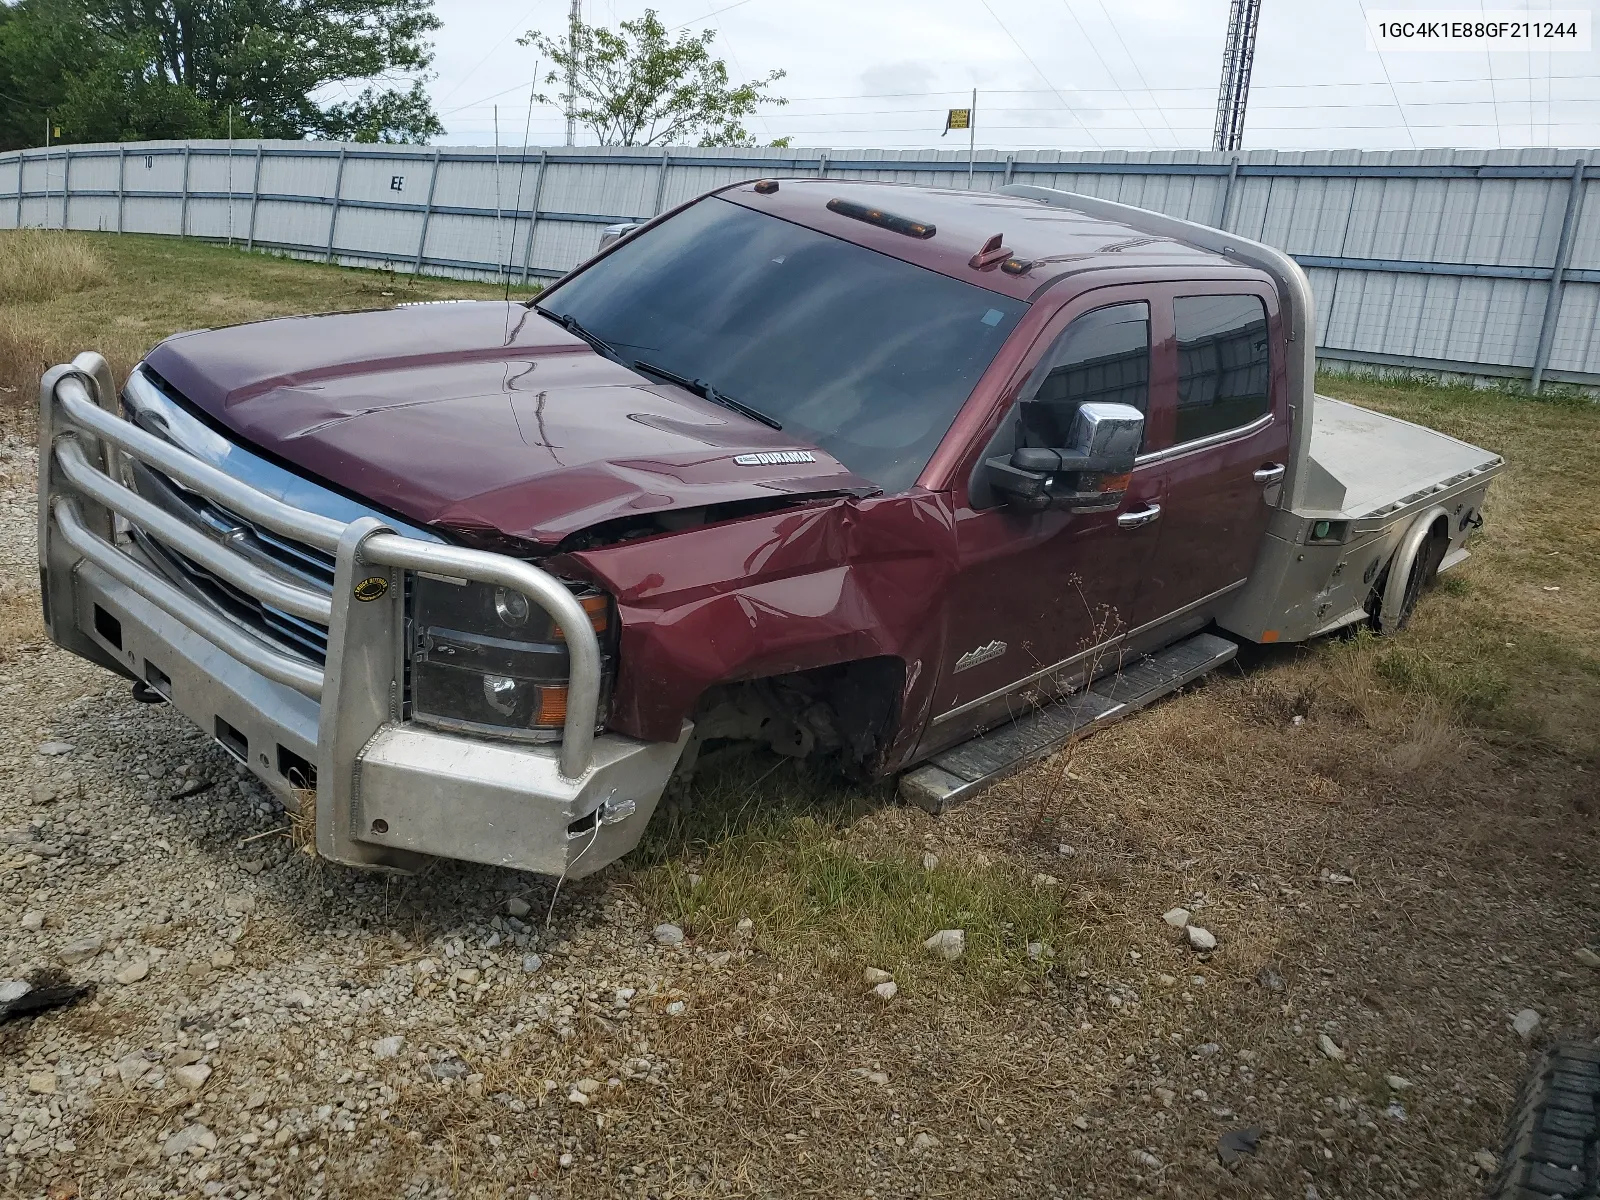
{"x":1224,"y":364}
{"x":1104,"y":356}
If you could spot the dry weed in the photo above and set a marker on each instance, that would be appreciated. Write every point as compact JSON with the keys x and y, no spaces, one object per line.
{"x":21,"y":624}
{"x":40,"y":264}
{"x":25,"y":354}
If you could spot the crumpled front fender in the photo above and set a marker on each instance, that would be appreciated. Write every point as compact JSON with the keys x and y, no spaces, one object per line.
{"x":826,"y":583}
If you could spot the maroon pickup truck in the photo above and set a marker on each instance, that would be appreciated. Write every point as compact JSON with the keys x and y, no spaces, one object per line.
{"x":927,"y":481}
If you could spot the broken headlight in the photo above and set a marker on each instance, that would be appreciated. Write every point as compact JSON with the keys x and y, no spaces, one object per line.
{"x":488,"y":660}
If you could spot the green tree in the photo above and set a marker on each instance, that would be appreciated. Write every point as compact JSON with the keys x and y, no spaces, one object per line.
{"x":636,"y":87}
{"x":119,"y":69}
{"x":40,"y":41}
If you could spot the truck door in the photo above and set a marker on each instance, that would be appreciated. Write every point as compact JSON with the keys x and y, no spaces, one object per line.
{"x":1219,"y":452}
{"x":1035,"y":594}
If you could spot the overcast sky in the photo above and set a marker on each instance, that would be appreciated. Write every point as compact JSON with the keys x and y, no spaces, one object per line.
{"x":1065,"y":74}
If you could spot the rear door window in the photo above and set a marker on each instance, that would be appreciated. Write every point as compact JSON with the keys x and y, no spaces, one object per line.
{"x":1104,"y":355}
{"x":1224,"y":364}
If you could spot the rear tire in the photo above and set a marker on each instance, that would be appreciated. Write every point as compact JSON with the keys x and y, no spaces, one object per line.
{"x":1552,"y":1145}
{"x":1423,"y":571}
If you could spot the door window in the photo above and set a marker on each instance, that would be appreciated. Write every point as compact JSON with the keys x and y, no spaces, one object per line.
{"x":1103,"y":355}
{"x":1224,"y":365}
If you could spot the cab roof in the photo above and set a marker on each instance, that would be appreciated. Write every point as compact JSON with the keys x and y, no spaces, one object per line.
{"x":1045,"y":242}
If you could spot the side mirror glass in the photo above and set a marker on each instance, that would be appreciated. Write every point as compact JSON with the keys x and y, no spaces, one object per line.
{"x":1089,"y":474}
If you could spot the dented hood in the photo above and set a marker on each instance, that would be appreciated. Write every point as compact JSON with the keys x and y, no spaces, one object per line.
{"x":482,"y":417}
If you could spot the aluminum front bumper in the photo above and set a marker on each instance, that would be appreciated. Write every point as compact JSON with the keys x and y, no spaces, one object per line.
{"x":387,"y":791}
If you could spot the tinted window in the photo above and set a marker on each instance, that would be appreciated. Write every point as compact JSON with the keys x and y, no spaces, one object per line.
{"x":1223,"y":363}
{"x":1103,"y":355}
{"x":865,"y":355}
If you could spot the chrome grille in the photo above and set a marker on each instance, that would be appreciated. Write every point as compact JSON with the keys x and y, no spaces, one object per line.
{"x":299,"y":562}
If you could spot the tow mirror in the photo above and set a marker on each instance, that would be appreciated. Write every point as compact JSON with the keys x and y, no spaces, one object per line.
{"x":615,"y":233}
{"x":1089,"y":474}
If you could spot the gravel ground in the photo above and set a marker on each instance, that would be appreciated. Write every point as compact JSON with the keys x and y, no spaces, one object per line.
{"x":256,"y":1011}
{"x":264,"y":1024}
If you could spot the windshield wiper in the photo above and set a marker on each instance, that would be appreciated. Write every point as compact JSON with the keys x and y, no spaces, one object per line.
{"x":706,"y":392}
{"x":575,"y":327}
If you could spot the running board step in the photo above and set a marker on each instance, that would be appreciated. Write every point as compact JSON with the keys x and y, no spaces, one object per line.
{"x":962,"y":771}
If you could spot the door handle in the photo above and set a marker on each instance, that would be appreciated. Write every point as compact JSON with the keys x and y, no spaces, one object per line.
{"x":1269,"y":473}
{"x":1133,"y":520}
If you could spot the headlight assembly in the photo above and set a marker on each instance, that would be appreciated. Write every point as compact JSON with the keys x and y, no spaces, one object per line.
{"x":486,"y":660}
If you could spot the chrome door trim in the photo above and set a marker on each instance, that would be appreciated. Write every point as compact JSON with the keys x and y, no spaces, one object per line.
{"x":1075,"y":659}
{"x":1027,"y":679}
{"x":1205,"y":443}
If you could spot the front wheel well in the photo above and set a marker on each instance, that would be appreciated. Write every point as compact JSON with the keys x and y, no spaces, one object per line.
{"x":845,"y":711}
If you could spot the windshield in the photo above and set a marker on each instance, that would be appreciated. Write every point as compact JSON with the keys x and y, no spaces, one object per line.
{"x":866,"y":356}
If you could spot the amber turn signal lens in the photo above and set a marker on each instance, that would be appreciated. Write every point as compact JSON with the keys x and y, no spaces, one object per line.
{"x":599,"y":615}
{"x":552,"y":712}
{"x":1115,"y":483}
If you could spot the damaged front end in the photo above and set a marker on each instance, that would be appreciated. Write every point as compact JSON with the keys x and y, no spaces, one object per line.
{"x":422,"y":698}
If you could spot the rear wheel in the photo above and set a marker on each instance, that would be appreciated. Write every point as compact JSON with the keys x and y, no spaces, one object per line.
{"x":1424,"y":570}
{"x":1393,"y":607}
{"x":1552,"y":1145}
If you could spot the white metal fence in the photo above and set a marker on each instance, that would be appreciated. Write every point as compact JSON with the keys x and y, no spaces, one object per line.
{"x":1435,"y":259}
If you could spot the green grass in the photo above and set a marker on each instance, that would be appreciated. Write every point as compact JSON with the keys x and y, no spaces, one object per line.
{"x":1510,"y":641}
{"x":771,"y":840}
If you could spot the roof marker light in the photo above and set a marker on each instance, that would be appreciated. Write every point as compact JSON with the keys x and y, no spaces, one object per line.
{"x":766,"y":186}
{"x":884,"y":220}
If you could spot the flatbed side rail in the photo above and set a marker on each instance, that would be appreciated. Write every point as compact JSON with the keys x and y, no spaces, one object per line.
{"x":1294,"y":292}
{"x":84,"y":501}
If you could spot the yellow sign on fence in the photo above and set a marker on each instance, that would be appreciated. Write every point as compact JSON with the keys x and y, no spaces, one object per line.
{"x":958,"y":118}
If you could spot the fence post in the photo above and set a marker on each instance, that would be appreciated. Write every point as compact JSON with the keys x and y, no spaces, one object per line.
{"x":1227,"y":192}
{"x":822,"y":165}
{"x":183,"y":210}
{"x":1552,"y":303}
{"x":21,"y":154}
{"x":255,"y":198}
{"x":1011,"y":166}
{"x":533,"y":213}
{"x":66,"y":183}
{"x":122,"y":182}
{"x":333,"y":217}
{"x":661,"y":183}
{"x":427,"y":212}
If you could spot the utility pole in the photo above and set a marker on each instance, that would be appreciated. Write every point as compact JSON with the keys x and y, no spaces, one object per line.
{"x":1244,"y":16}
{"x":230,"y":174}
{"x":972,"y":137}
{"x":574,"y":26}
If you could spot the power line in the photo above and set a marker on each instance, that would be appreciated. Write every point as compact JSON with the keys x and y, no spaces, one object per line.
{"x":1400,"y":108}
{"x":1134,"y":63}
{"x":714,"y":12}
{"x":499,"y":41}
{"x":1100,"y":58}
{"x":1494,"y":99}
{"x":1040,"y":73}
